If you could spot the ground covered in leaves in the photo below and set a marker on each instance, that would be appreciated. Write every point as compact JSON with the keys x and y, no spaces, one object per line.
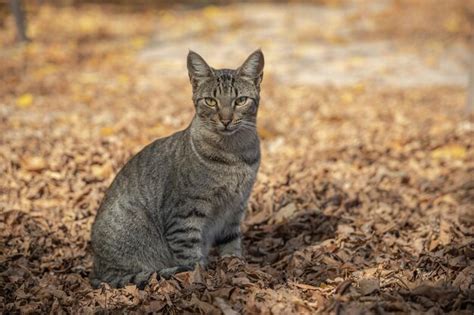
{"x":364,"y":201}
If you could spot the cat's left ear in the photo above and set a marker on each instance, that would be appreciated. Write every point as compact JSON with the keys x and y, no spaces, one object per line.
{"x":198,"y":69}
{"x":252,"y":68}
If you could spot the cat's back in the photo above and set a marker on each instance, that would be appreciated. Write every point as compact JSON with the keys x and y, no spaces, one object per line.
{"x":142,"y":178}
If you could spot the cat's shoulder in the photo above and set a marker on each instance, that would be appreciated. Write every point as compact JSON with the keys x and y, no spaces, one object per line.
{"x":167,"y":143}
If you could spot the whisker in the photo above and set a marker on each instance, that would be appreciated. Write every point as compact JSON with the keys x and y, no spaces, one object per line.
{"x":246,"y":123}
{"x":247,"y":127}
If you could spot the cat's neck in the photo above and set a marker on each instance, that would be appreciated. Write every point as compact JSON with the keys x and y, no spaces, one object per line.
{"x":242,"y":145}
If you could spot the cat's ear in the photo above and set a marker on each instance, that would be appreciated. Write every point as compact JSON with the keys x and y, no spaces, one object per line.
{"x":252,"y":68}
{"x":198,"y":69}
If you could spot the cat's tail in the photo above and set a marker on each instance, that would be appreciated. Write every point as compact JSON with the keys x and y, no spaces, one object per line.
{"x":140,"y":279}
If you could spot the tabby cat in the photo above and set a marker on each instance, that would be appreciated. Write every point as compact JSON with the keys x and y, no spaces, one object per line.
{"x":185,"y":193}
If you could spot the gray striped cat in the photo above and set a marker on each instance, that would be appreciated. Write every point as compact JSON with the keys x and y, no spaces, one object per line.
{"x":183,"y":194}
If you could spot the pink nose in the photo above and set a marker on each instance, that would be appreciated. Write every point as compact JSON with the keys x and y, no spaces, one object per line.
{"x":226,"y":122}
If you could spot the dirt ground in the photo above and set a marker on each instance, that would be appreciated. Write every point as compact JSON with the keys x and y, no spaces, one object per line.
{"x":364,"y":202}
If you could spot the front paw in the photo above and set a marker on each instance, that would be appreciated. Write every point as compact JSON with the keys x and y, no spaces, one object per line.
{"x":232,"y":255}
{"x":167,"y":273}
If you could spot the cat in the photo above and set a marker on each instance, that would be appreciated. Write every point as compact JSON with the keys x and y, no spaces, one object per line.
{"x":183,"y":194}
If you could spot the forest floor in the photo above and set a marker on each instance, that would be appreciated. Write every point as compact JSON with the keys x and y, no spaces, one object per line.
{"x":364,"y":202}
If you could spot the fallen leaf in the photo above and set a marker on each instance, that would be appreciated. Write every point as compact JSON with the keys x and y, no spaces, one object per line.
{"x":368,"y":286}
{"x":24,"y":100}
{"x":107,"y":131}
{"x":102,"y":171}
{"x":453,"y":151}
{"x":444,"y":232}
{"x":35,"y":163}
{"x":305,"y":286}
{"x":225,"y":308}
{"x":285,"y":213}
{"x":465,"y":278}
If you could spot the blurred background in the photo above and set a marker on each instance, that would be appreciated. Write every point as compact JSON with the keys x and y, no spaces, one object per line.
{"x":336,"y":42}
{"x":366,"y":122}
{"x":95,"y":53}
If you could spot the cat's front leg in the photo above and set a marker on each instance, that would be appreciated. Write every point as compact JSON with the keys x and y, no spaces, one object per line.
{"x":185,"y":238}
{"x":229,"y":242}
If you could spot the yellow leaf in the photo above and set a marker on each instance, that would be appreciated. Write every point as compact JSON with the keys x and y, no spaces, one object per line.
{"x":138,"y":42}
{"x":359,"y":87}
{"x":357,"y":61}
{"x":347,"y":97}
{"x":24,"y":100}
{"x":452,"y":151}
{"x":265,"y":133}
{"x":107,"y":131}
{"x":87,"y":24}
{"x":452,"y":24}
{"x":211,"y":11}
{"x":123,"y":79}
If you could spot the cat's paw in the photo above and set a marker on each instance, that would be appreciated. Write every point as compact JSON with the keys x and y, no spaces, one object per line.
{"x":231,"y":257}
{"x":235,"y":255}
{"x":167,"y":273}
{"x":95,"y":283}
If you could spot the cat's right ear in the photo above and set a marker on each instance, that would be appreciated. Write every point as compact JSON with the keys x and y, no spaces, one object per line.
{"x":252,"y":68}
{"x":198,"y":69}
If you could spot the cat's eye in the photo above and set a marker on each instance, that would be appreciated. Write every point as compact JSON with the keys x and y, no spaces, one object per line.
{"x":241,"y":100}
{"x":210,"y":102}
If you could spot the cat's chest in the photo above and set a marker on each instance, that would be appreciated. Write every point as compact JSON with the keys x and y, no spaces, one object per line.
{"x":231,"y":185}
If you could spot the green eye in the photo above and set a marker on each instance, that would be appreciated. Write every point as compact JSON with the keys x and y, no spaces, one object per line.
{"x":210,"y":101}
{"x":241,"y":100}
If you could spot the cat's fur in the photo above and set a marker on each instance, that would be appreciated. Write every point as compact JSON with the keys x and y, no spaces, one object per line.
{"x":185,"y":193}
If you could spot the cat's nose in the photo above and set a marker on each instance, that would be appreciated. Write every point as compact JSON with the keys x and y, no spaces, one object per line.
{"x":226,"y":122}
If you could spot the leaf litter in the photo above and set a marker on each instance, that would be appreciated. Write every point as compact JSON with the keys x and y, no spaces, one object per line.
{"x":363,"y":204}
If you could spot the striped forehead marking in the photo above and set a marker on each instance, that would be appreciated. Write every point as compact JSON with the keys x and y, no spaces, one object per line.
{"x":225,"y":85}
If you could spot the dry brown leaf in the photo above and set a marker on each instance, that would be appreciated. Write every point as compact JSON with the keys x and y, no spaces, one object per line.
{"x":465,"y":278}
{"x":204,"y":307}
{"x":35,"y":163}
{"x":369,"y":285}
{"x":224,"y":307}
{"x":285,"y":213}
{"x":102,"y":171}
{"x":444,"y":233}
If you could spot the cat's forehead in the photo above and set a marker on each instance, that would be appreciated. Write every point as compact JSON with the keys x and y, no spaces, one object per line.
{"x":228,"y":77}
{"x":225,"y":75}
{"x":226,"y":83}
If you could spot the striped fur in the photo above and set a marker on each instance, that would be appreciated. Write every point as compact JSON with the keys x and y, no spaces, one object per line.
{"x":186,"y":193}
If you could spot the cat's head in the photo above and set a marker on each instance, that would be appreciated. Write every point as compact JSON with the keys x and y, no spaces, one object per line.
{"x":226,"y":100}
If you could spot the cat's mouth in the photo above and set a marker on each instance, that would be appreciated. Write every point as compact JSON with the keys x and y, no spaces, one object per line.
{"x":228,"y":130}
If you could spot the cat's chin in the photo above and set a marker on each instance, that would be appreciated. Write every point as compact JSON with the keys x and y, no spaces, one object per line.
{"x":227,"y":132}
